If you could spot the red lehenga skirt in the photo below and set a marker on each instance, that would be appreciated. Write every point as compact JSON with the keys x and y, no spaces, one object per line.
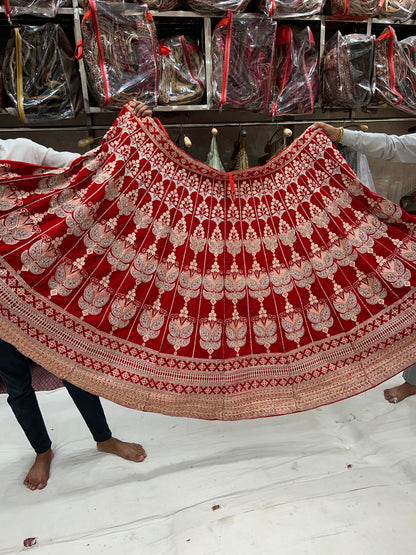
{"x":151,"y":279}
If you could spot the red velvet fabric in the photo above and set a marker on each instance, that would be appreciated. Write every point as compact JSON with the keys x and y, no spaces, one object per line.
{"x":136,"y":275}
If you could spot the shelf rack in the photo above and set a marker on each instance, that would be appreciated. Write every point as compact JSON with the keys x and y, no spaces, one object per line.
{"x":195,"y":114}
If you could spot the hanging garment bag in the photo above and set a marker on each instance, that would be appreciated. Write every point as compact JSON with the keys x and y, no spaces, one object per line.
{"x":409,"y":46}
{"x":243,"y":61}
{"x":212,"y":7}
{"x":357,"y":9}
{"x":290,"y":8}
{"x":183,"y":71}
{"x":43,"y":8}
{"x":41,"y":74}
{"x":163,"y":5}
{"x":121,"y":53}
{"x":395,"y":73}
{"x":297,"y":76}
{"x":348,"y":79}
{"x":399,"y":10}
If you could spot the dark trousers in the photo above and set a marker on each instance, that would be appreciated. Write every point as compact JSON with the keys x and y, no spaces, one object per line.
{"x":15,"y":372}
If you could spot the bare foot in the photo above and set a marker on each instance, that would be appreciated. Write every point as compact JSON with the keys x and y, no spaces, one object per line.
{"x":38,"y":475}
{"x":397,"y":394}
{"x":130,"y":451}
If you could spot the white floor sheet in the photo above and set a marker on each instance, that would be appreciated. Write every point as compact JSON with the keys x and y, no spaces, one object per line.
{"x":339,"y":480}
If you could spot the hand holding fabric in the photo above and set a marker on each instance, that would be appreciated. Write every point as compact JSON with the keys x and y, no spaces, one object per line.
{"x":141,"y":110}
{"x":331,"y":131}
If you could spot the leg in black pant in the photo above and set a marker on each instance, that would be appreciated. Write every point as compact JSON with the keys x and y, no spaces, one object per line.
{"x":15,"y":372}
{"x":91,"y":410}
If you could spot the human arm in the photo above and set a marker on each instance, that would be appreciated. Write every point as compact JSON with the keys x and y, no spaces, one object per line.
{"x":25,"y":150}
{"x":393,"y":148}
{"x":58,"y":159}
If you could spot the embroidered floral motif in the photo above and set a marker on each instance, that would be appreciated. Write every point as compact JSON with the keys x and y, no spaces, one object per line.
{"x":319,"y":315}
{"x":40,"y":256}
{"x":18,"y":226}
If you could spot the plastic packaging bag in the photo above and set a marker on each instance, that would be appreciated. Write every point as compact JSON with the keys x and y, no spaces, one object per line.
{"x":358,"y":162}
{"x":212,"y":7}
{"x":183,"y":72}
{"x":121,"y":53}
{"x":399,"y":10}
{"x":408,"y":202}
{"x":290,"y":8}
{"x":357,"y":9}
{"x":395,"y":74}
{"x":41,"y":74}
{"x":409,"y":46}
{"x":348,"y":79}
{"x":243,"y":52}
{"x":163,"y":5}
{"x":297,"y":77}
{"x":43,"y":8}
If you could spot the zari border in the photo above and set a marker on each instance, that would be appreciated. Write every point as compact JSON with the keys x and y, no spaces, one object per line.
{"x":263,"y":385}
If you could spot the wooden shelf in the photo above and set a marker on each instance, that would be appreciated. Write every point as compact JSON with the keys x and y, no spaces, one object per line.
{"x":320,"y":22}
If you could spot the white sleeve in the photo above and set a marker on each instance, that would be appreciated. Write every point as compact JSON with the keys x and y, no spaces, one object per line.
{"x":394,"y":148}
{"x":57,"y":159}
{"x":25,"y":150}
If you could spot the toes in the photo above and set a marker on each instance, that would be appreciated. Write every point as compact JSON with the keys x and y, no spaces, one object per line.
{"x":140,"y":454}
{"x":33,"y":485}
{"x":390,"y":396}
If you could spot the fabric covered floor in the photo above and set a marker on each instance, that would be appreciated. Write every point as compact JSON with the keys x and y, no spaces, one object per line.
{"x":338,"y":479}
